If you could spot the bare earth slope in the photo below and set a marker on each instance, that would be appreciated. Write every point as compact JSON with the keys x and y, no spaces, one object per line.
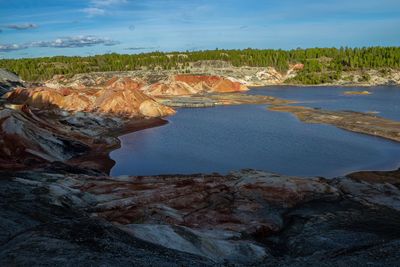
{"x":248,"y":76}
{"x":179,"y":85}
{"x":117,"y":97}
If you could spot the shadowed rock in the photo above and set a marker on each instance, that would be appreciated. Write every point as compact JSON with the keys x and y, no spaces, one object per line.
{"x":247,"y":217}
{"x":36,"y":232}
{"x":9,"y":81}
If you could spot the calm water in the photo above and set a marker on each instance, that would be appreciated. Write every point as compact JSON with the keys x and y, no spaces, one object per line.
{"x":229,"y":138}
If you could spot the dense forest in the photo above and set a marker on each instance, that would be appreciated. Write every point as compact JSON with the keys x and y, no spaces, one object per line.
{"x":321,"y":64}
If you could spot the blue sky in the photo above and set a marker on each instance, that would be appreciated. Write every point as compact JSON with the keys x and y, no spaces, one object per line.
{"x":34,"y":28}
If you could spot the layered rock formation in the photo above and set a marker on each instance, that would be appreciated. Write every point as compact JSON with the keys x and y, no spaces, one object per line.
{"x":27,"y":139}
{"x":202,"y":71}
{"x":120,"y":97}
{"x":248,"y":76}
{"x":31,"y":138}
{"x":246,"y":217}
{"x":39,"y":230}
{"x":179,"y":85}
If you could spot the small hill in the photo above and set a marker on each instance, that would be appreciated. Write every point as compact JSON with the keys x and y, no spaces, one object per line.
{"x":120,"y":96}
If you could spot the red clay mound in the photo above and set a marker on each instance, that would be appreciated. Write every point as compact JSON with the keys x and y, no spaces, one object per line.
{"x":216,"y":83}
{"x":120,"y":97}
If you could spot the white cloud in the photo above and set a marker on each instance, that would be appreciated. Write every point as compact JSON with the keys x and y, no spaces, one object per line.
{"x":11,"y":47}
{"x":25,"y":26}
{"x":77,"y":41}
{"x":107,"y":2}
{"x":93,"y":11}
{"x":98,"y":7}
{"x":67,"y":42}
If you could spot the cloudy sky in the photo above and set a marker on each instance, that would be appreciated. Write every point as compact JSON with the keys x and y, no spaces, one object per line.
{"x":34,"y":28}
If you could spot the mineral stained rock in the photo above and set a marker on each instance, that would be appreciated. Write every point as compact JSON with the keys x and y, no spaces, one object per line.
{"x":27,"y":139}
{"x":36,"y":231}
{"x":31,"y":137}
{"x":179,"y":85}
{"x":248,"y":76}
{"x":119,"y":97}
{"x":247,"y":217}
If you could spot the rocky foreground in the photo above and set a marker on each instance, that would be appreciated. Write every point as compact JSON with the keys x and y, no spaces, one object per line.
{"x":54,"y":216}
{"x":59,"y":207}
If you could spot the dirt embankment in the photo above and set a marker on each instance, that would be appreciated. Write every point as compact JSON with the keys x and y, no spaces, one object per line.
{"x":201,"y":78}
{"x":247,"y":76}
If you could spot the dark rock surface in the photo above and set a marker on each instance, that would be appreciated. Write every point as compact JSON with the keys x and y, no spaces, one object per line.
{"x":36,"y":232}
{"x":51,"y":217}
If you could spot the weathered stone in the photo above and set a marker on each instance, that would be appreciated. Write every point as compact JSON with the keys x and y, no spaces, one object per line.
{"x":180,"y":85}
{"x":36,"y":232}
{"x":247,"y":217}
{"x":119,"y":97}
{"x":9,"y":81}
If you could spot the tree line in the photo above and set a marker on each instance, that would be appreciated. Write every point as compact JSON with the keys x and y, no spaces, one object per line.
{"x":320,"y":64}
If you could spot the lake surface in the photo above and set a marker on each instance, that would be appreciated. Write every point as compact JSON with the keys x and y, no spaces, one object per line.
{"x":229,"y":138}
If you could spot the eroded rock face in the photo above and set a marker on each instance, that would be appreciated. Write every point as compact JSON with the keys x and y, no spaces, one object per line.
{"x":179,"y":85}
{"x":218,"y":217}
{"x":30,"y":138}
{"x":9,"y":81}
{"x":37,"y":232}
{"x":217,"y":84}
{"x":25,"y":140}
{"x":213,"y":244}
{"x":34,"y":137}
{"x":246,"y":202}
{"x":247,"y":217}
{"x":120,"y":96}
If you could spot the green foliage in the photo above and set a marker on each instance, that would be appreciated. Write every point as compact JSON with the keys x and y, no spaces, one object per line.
{"x":315,"y":77}
{"x":321,"y":64}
